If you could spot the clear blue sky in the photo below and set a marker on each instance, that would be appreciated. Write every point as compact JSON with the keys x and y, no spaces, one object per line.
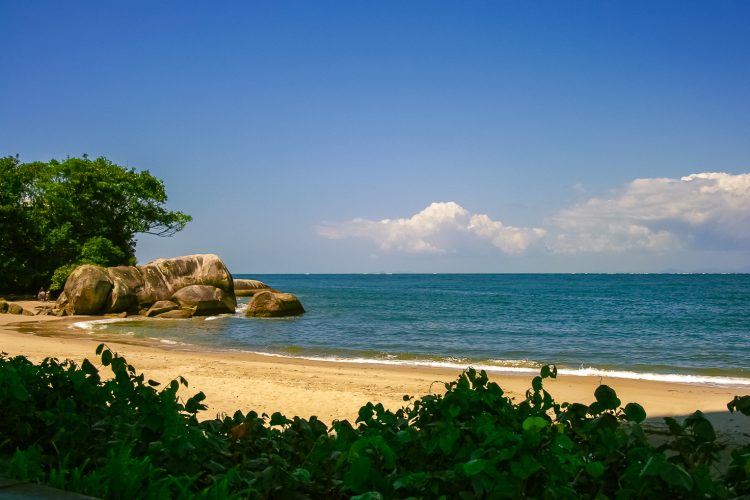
{"x":493,"y":136}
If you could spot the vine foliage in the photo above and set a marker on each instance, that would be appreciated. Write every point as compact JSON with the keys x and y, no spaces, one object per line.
{"x":106,"y":430}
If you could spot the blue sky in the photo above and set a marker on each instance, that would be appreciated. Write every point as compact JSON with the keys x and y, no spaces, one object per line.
{"x":420,"y":136}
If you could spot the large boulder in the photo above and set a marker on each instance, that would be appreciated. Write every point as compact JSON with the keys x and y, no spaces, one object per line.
{"x":127,"y":282}
{"x":87,"y":290}
{"x":96,"y":290}
{"x":163,"y":277}
{"x":248,"y":288}
{"x":267,"y":304}
{"x":3,"y":306}
{"x":205,"y":300}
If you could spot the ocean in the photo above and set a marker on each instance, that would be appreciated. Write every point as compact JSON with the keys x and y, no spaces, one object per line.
{"x":692,"y":328}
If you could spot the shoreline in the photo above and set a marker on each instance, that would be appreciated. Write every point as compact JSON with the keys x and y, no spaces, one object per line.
{"x":334,"y":390}
{"x":741,"y":384}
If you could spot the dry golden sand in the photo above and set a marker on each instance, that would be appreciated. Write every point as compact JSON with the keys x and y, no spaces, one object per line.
{"x":333,"y":390}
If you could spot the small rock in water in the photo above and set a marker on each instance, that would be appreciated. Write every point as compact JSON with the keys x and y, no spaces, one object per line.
{"x":268,"y":304}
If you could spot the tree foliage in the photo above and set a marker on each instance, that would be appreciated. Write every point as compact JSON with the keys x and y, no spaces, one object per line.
{"x":80,"y":210}
{"x":116,"y":434}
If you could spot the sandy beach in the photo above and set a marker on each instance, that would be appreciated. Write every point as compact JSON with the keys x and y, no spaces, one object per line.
{"x":333,"y":390}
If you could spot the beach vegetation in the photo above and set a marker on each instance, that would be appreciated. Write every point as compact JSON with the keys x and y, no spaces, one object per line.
{"x":105,"y":430}
{"x":57,"y":214}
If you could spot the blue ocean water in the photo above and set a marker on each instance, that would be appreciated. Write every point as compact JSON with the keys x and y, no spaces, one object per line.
{"x":665,"y":327}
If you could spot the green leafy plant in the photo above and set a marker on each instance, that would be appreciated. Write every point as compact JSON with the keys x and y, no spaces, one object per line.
{"x":106,"y":430}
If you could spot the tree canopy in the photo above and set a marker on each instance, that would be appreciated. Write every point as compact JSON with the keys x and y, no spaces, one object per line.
{"x":57,"y":214}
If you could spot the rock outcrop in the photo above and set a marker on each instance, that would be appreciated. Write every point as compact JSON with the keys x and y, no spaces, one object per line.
{"x":267,"y":304}
{"x":132,"y":289}
{"x":248,"y":288}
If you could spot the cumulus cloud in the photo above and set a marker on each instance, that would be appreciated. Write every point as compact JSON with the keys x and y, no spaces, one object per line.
{"x":659,"y":214}
{"x":653,"y":215}
{"x":509,"y":239}
{"x":435,"y":229}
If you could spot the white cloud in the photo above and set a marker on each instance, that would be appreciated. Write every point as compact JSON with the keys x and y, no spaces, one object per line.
{"x":509,"y":239}
{"x":658,"y":215}
{"x":436,"y":229}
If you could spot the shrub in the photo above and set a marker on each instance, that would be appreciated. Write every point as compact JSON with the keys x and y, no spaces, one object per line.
{"x":121,"y":437}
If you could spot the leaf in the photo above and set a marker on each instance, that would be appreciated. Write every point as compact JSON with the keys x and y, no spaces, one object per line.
{"x":701,"y":426}
{"x":193,"y":405}
{"x":88,"y":368}
{"x":387,"y":454}
{"x":741,"y":404}
{"x":676,"y":476}
{"x":536,"y":383}
{"x":106,"y":357}
{"x":474,"y":467}
{"x":607,"y":397}
{"x":99,"y":349}
{"x":549,"y":371}
{"x":301,"y":475}
{"x":595,"y":469}
{"x":365,"y":413}
{"x":454,"y":411}
{"x":277,"y":419}
{"x":524,"y":467}
{"x":635,"y":413}
{"x":534,"y":424}
{"x":674,"y":427}
{"x":18,"y":392}
{"x":413,"y":480}
{"x":370,"y":495}
{"x":358,"y":475}
{"x":153,"y":383}
{"x":448,"y":437}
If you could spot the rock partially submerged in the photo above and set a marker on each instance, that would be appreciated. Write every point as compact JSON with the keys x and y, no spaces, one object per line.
{"x":267,"y":304}
{"x":248,"y":288}
{"x":97,"y":290}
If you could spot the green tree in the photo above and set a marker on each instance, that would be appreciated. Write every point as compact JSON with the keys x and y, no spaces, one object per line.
{"x":60,"y":213}
{"x":18,"y":232}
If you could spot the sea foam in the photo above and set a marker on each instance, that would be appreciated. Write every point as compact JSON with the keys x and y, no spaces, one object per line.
{"x":491,"y":368}
{"x":97,"y":324}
